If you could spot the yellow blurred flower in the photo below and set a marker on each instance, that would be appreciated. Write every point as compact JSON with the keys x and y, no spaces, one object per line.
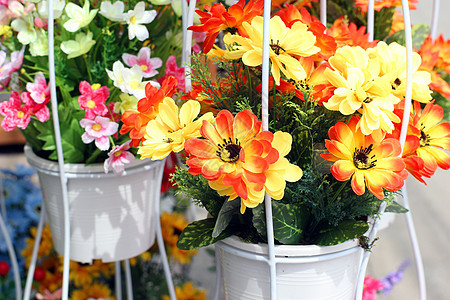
{"x":188,"y":292}
{"x":45,"y":247}
{"x":94,"y":291}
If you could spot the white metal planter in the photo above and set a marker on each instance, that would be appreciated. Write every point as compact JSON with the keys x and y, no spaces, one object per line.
{"x":303,"y":272}
{"x":111,"y":216}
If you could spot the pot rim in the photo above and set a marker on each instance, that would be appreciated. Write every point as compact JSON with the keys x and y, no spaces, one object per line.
{"x":82,"y":170}
{"x":289,"y":250}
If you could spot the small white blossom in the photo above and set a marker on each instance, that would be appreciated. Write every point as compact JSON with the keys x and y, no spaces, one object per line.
{"x":79,"y":17}
{"x":113,"y":12}
{"x":25,"y":28}
{"x":40,"y":46}
{"x":135,"y":18}
{"x":81,"y":45}
{"x":58,"y":7}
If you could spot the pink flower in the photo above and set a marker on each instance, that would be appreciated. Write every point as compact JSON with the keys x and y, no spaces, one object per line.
{"x":118,"y":157}
{"x":40,"y":110}
{"x":371,"y":286}
{"x":143,"y":60}
{"x":15,"y":113}
{"x":7,"y":67}
{"x":17,"y":59}
{"x":47,"y":295}
{"x":98,"y":130}
{"x":40,"y":22}
{"x":92,"y":99}
{"x":39,"y":90}
{"x":174,"y":70}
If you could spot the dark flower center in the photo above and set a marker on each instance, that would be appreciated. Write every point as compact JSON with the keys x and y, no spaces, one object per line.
{"x":396,"y":83}
{"x":362,"y":160}
{"x":232,"y":30}
{"x":275,"y":47}
{"x":229,"y":150}
{"x":424,"y":139}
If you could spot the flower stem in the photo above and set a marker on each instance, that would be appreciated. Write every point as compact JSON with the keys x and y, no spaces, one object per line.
{"x":88,"y":68}
{"x":339,"y":191}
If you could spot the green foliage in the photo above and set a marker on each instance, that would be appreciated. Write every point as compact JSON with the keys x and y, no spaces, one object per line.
{"x":227,"y":212}
{"x":419,"y":33}
{"x":383,"y":23}
{"x":199,"y":234}
{"x":346,"y":230}
{"x":289,"y":222}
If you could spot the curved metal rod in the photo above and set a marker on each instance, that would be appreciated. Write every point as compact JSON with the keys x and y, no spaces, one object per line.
{"x":371,"y":19}
{"x":434,"y":19}
{"x":323,"y":12}
{"x":59,"y":150}
{"x":37,"y":242}
{"x":12,"y":255}
{"x":129,"y":284}
{"x":187,"y":49}
{"x":218,"y":275}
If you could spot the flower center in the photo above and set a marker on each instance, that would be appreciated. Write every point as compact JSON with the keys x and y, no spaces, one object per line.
{"x":118,"y":153}
{"x":96,"y":127}
{"x":229,"y":151}
{"x":20,"y":114}
{"x":396,"y":83}
{"x":90,"y":104}
{"x":362,"y":160}
{"x":424,"y":139}
{"x":133,"y":20}
{"x":275,"y":47}
{"x":144,"y":68}
{"x":134,"y":85}
{"x":95,"y":86}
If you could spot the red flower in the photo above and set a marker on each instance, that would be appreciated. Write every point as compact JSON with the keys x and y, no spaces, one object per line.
{"x":217,"y":18}
{"x":92,"y":99}
{"x":4,"y":268}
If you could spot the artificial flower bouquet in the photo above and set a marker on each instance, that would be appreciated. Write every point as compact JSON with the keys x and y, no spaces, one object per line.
{"x":108,"y":56}
{"x":332,"y":151}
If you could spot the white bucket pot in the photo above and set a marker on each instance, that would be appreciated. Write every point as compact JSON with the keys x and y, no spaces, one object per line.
{"x":112,"y":217}
{"x":302,"y":272}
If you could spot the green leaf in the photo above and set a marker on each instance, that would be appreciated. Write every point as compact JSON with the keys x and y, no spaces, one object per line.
{"x":346,"y":230}
{"x":289,"y":221}
{"x":259,"y":221}
{"x":419,"y":33}
{"x":226,"y":213}
{"x":302,"y":147}
{"x":444,"y":103}
{"x":395,"y":207}
{"x":383,"y":23}
{"x":199,"y":234}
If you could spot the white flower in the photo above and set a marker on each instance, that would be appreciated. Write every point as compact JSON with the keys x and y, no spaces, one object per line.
{"x":132,"y":82}
{"x":25,"y":28}
{"x":135,"y":18}
{"x":127,"y":102}
{"x":40,"y":46}
{"x":113,"y":12}
{"x":81,"y":45}
{"x":79,"y":17}
{"x":58,"y":7}
{"x":116,"y":74}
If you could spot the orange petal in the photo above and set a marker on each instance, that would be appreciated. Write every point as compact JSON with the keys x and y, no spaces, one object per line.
{"x":201,"y":148}
{"x":358,"y":184}
{"x":343,"y":169}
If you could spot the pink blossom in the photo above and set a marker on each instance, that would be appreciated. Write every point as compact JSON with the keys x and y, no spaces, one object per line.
{"x":98,"y":130}
{"x":17,"y":59}
{"x":39,"y":90}
{"x":47,"y":295}
{"x":40,"y":110}
{"x":15,"y":113}
{"x":371,"y":286}
{"x":5,"y":70}
{"x":40,"y":23}
{"x":118,"y":157}
{"x":17,"y":10}
{"x":143,"y":60}
{"x":92,"y":100}
{"x":174,"y":70}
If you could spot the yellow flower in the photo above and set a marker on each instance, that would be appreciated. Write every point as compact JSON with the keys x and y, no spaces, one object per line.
{"x":393,"y":68}
{"x":127,"y":102}
{"x":81,"y":45}
{"x":94,"y":291}
{"x":45,"y":247}
{"x":188,"y":292}
{"x":360,"y":88}
{"x":171,"y":128}
{"x":286,"y":46}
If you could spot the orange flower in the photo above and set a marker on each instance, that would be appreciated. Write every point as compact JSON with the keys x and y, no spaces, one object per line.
{"x":379,"y":4}
{"x":298,"y":4}
{"x":346,"y":33}
{"x":369,"y":160}
{"x":217,"y":18}
{"x":397,"y":22}
{"x":135,"y":122}
{"x":94,"y":291}
{"x":187,"y":292}
{"x":431,"y":60}
{"x":434,"y":136}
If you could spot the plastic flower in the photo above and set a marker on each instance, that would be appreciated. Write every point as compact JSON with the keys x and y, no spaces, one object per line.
{"x":47,"y":295}
{"x":379,"y":4}
{"x":434,"y":136}
{"x":173,"y":70}
{"x":359,"y":88}
{"x":286,"y":45}
{"x":132,"y":82}
{"x":346,"y":33}
{"x":25,"y":28}
{"x":368,"y":160}
{"x":171,"y":128}
{"x":135,"y":20}
{"x":113,"y":11}
{"x":39,"y":110}
{"x":135,"y":121}
{"x":92,"y":291}
{"x":15,"y":113}
{"x":82,"y":44}
{"x":118,"y":157}
{"x":40,"y":46}
{"x":127,"y":102}
{"x":393,"y":68}
{"x":143,"y":60}
{"x":92,"y":99}
{"x":187,"y":292}
{"x":58,"y":7}
{"x":39,"y":90}
{"x":98,"y":130}
{"x":371,"y":287}
{"x":217,"y":19}
{"x":78,"y":16}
